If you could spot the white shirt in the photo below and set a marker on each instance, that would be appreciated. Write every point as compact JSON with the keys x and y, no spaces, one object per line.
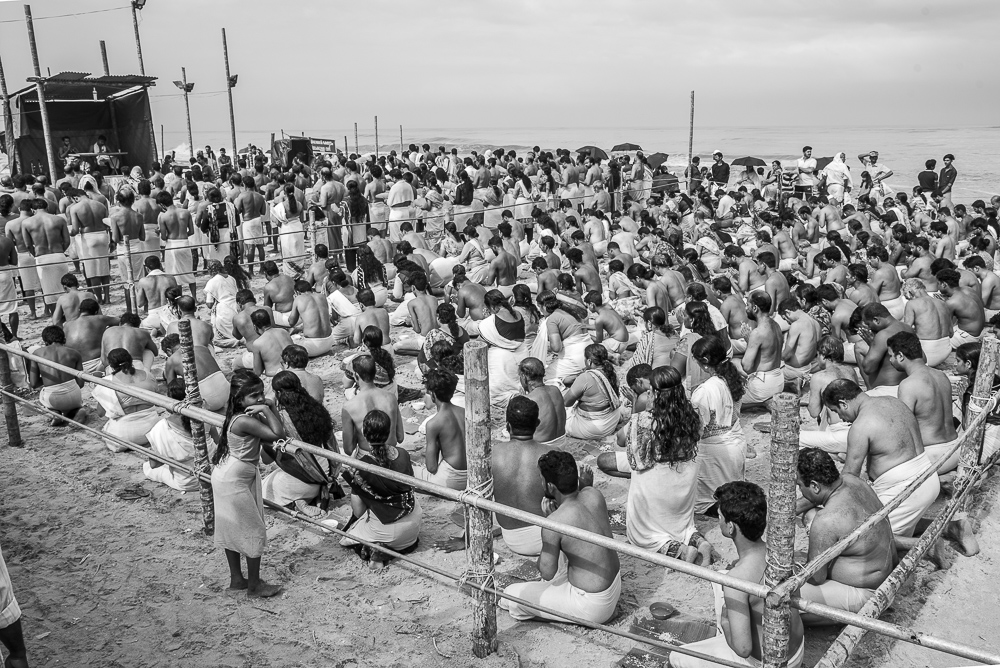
{"x":805,"y":179}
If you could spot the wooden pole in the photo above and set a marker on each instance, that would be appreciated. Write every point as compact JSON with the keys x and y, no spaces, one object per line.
{"x":187,"y":109}
{"x":9,"y":407}
{"x":104,"y":58}
{"x":691,"y":132}
{"x":163,"y":141}
{"x":400,"y":141}
{"x":356,"y":149}
{"x":129,"y":278}
{"x":201,"y":463}
{"x":480,"y":522}
{"x":40,"y":88}
{"x":346,"y":149}
{"x":376,"y":137}
{"x":8,"y":123}
{"x":229,"y":90}
{"x":780,"y":524}
{"x":138,"y":43}
{"x":989,"y":361}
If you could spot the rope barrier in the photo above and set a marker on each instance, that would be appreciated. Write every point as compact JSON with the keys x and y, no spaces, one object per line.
{"x":755,"y":589}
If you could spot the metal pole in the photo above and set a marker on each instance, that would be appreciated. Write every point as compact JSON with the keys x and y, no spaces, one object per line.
{"x":480,"y":522}
{"x":691,"y":132}
{"x":138,"y":43}
{"x":376,"y":137}
{"x":201,"y":463}
{"x":356,"y":150}
{"x":187,"y":109}
{"x":9,"y":407}
{"x":8,"y":122}
{"x":104,"y":58}
{"x":780,"y":525}
{"x":40,"y":88}
{"x":229,"y":90}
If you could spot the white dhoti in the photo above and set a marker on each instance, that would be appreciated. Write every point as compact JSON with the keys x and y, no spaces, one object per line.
{"x":399,"y":535}
{"x":762,"y":385}
{"x":961,"y":336}
{"x":158,"y":319}
{"x":51,"y":268}
{"x":222,"y":319}
{"x":570,"y":360}
{"x":166,"y":440}
{"x":280,"y":318}
{"x":560,"y":595}
{"x":833,"y":439}
{"x":397,"y":216}
{"x":891,"y":483}
{"x":526,"y":541}
{"x":214,"y":391}
{"x":27,"y":271}
{"x":446,"y":476}
{"x":252,"y":232}
{"x":94,"y":254}
{"x":133,"y":428}
{"x":178,"y":261}
{"x":589,"y":425}
{"x":285,"y":489}
{"x":8,"y":293}
{"x":316,"y":346}
{"x":938,"y":451}
{"x":936,"y":351}
{"x":895,"y":306}
{"x":220,"y":250}
{"x":63,"y":397}
{"x":136,"y":257}
{"x":883,"y":391}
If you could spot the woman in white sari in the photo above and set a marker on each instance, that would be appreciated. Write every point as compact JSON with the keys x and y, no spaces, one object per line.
{"x":722,"y":448}
{"x":286,"y":215}
{"x":220,"y":297}
{"x":370,"y":273}
{"x":129,"y":418}
{"x":450,"y":249}
{"x":503,"y":332}
{"x":473,"y":256}
{"x":593,"y":407}
{"x":562,"y":334}
{"x":525,"y":196}
{"x":838,"y":177}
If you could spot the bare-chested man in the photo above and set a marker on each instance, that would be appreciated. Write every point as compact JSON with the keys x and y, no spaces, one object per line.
{"x":151,"y":289}
{"x":920,"y":266}
{"x":587,"y":278}
{"x":127,"y":228}
{"x":318,"y":272}
{"x":750,"y":276}
{"x":25,"y":260}
{"x":59,"y":391}
{"x":85,"y":334}
{"x":930,"y":319}
{"x":965,"y":305}
{"x":294,"y":358}
{"x":832,"y":433}
{"x":547,"y":277}
{"x":86,"y":218}
{"x":279,"y":293}
{"x":775,"y":284}
{"x":762,"y":359}
{"x":469,"y":302}
{"x":609,"y":328}
{"x":989,"y":282}
{"x":422,"y":311}
{"x":368,"y":398}
{"x":445,"y":462}
{"x":881,"y":377}
{"x":202,"y":333}
{"x":271,"y":341}
{"x":176,"y":227}
{"x":927,"y":392}
{"x":885,"y":281}
{"x":734,"y":310}
{"x":212,"y":382}
{"x":551,"y":429}
{"x":788,"y":255}
{"x":47,"y":238}
{"x":243,"y":328}
{"x":843,"y":503}
{"x":68,"y":306}
{"x":128,"y":335}
{"x":251,"y":206}
{"x":503,"y":269}
{"x":370,"y":316}
{"x":861,"y":292}
{"x":672,"y":280}
{"x":840,"y":309}
{"x":801,"y":342}
{"x":311,"y":313}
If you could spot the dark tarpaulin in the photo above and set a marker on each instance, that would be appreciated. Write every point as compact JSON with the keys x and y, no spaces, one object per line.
{"x":83,"y":121}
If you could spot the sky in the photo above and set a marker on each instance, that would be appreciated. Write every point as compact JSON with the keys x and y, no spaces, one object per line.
{"x":538,"y":63}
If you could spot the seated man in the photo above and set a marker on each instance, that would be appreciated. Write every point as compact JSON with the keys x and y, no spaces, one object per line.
{"x":880,"y":375}
{"x":344,"y":306}
{"x":136,"y":341}
{"x":60,"y":392}
{"x":832,"y":433}
{"x":267,"y":348}
{"x":609,"y":328}
{"x":86,"y":333}
{"x":212,"y":383}
{"x":801,"y":342}
{"x":740,"y":616}
{"x":551,"y":429}
{"x":578,"y":578}
{"x":843,"y":503}
{"x":516,"y":480}
{"x":294,"y":358}
{"x":311,"y":314}
{"x":762,"y":358}
{"x":422,"y":312}
{"x":171,"y":437}
{"x":445,"y":462}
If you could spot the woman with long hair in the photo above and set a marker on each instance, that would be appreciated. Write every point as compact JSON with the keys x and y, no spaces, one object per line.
{"x":561,"y":341}
{"x":450,"y":249}
{"x":448,"y":330}
{"x":502,"y":330}
{"x":473,"y":255}
{"x":162,"y":317}
{"x":697,"y":321}
{"x":220,"y":297}
{"x":371,"y":274}
{"x":358,"y":213}
{"x":236,"y":485}
{"x":372,"y":341}
{"x":722,"y":446}
{"x":217,"y":222}
{"x":300,"y":478}
{"x":171,"y":437}
{"x":287,"y":215}
{"x":383,"y":511}
{"x":526,"y":307}
{"x":525,"y":195}
{"x":593,"y":407}
{"x":661,"y":448}
{"x":655,"y":344}
{"x":129,"y":418}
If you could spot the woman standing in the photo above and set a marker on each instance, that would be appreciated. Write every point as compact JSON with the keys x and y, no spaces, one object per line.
{"x":236,"y":485}
{"x":370,"y":273}
{"x":220,"y":297}
{"x":722,"y":448}
{"x":383,"y":511}
{"x":598,"y":413}
{"x":287,"y":215}
{"x":661,"y":448}
{"x":525,"y":196}
{"x":129,"y":418}
{"x":304,"y":419}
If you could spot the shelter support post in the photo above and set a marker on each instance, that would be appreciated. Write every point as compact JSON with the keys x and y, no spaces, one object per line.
{"x":197,"y":427}
{"x":480,"y":522}
{"x":10,"y":141}
{"x":9,"y":407}
{"x":50,"y":153}
{"x":780,"y":525}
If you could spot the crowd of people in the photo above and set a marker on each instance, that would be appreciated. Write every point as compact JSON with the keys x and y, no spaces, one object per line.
{"x":645,"y":320}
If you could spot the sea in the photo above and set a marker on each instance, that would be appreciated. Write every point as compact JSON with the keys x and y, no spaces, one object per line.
{"x":904,"y":150}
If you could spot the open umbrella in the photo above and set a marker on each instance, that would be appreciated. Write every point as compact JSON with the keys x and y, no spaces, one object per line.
{"x":657,"y":159}
{"x":748,"y":162}
{"x":626,"y":147}
{"x":665,"y":183}
{"x":593,"y":152}
{"x":821,"y":163}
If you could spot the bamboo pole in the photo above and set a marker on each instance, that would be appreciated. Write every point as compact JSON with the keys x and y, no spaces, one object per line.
{"x":197,"y":428}
{"x":376,"y":137}
{"x":130,"y":295}
{"x":346,"y":149}
{"x":400,"y":141}
{"x":989,"y":360}
{"x":8,"y":121}
{"x":40,"y":88}
{"x":229,"y":90}
{"x":9,"y":407}
{"x":691,"y":132}
{"x":356,"y":149}
{"x":138,"y":43}
{"x":187,"y":109}
{"x":479,"y":522}
{"x":163,"y":141}
{"x":104,"y":58}
{"x":780,"y":524}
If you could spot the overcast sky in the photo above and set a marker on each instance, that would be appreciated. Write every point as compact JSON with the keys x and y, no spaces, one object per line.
{"x":540,"y":63}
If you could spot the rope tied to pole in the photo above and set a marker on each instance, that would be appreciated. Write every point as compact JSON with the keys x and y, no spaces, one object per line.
{"x":484,"y":575}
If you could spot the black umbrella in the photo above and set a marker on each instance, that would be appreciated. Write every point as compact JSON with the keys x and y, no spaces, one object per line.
{"x":665,"y":183}
{"x":748,"y":162}
{"x":657,"y":159}
{"x":593,"y":152}
{"x":627,"y":147}
{"x":822,"y":163}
